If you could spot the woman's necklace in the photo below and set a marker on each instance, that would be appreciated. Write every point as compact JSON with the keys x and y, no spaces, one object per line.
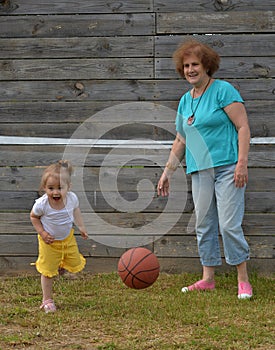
{"x":192,"y":118}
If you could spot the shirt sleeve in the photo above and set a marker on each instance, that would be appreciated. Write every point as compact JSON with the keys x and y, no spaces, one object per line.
{"x":74,"y":200}
{"x":38,"y":208}
{"x":180,"y":120}
{"x":228,"y":94}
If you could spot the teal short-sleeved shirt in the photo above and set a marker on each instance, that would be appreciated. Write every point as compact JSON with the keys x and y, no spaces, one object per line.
{"x":212,"y":139}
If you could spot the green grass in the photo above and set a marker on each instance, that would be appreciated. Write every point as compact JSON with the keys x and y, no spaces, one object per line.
{"x":97,"y":312}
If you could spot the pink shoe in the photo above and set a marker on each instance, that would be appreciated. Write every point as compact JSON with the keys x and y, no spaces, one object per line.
{"x":199,"y":285}
{"x":48,"y":306}
{"x":244,"y":290}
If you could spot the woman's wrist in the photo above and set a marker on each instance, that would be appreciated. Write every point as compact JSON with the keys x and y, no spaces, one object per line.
{"x":171,"y":166}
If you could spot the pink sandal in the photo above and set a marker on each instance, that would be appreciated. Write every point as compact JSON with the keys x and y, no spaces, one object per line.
{"x":48,"y":306}
{"x":199,"y":285}
{"x":244,"y":290}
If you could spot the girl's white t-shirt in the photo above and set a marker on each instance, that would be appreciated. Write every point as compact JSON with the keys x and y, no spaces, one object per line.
{"x":58,"y":223}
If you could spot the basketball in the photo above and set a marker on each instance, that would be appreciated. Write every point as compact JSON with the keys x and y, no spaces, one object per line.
{"x":138,"y":268}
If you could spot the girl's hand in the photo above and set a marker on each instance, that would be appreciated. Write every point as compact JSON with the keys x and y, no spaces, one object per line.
{"x":47,"y":238}
{"x":84,"y":234}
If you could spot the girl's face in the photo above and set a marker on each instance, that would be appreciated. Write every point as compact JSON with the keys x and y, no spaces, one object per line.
{"x":56,"y":191}
{"x":194,"y":71}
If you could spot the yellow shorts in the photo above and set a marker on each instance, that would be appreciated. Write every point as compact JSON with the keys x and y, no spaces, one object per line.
{"x":64,"y":254}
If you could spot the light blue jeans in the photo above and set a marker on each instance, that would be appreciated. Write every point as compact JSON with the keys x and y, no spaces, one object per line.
{"x":219,"y":207}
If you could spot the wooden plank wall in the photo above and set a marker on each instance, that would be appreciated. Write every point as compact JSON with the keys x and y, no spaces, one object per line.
{"x":63,"y":62}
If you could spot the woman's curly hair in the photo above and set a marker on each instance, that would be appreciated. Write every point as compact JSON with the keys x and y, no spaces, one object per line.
{"x":207,"y":56}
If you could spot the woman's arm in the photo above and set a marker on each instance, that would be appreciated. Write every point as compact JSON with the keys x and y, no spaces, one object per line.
{"x":175,"y":157}
{"x":237,"y":114}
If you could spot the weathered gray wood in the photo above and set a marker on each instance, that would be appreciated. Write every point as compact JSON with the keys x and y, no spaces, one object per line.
{"x":88,"y":47}
{"x":18,"y":266}
{"x":28,"y":179}
{"x":67,"y":68}
{"x":192,"y":265}
{"x":232,"y":45}
{"x":261,"y":125}
{"x":261,"y":119}
{"x":123,"y":68}
{"x":215,"y":5}
{"x":259,"y":224}
{"x":60,"y":112}
{"x":64,"y":62}
{"x":131,"y":90}
{"x":128,"y":178}
{"x":63,"y":111}
{"x":56,"y":130}
{"x":254,"y":224}
{"x":230,"y":67}
{"x":78,"y":112}
{"x":43,"y":156}
{"x":47,"y":26}
{"x":95,"y":201}
{"x":186,"y":246}
{"x":261,"y":158}
{"x":260,"y":202}
{"x":74,"y":7}
{"x":168,"y":246}
{"x":219,"y":22}
{"x":26,"y":245}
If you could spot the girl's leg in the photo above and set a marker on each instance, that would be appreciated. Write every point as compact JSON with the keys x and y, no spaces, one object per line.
{"x":46,"y":284}
{"x":48,"y":303}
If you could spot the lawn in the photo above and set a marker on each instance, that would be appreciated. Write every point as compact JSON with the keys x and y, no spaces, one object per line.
{"x":97,"y":312}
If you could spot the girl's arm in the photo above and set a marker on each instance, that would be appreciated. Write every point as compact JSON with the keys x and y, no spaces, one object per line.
{"x":36,"y":222}
{"x":78,"y":220}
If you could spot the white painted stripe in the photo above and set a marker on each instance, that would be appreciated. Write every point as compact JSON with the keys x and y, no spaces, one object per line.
{"x":140,"y":143}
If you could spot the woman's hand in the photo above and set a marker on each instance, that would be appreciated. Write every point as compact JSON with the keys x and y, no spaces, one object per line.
{"x":163,"y":185}
{"x":241,"y":175}
{"x":174,"y":159}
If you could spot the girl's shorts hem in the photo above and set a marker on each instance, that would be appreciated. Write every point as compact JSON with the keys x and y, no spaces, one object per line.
{"x":64,"y":254}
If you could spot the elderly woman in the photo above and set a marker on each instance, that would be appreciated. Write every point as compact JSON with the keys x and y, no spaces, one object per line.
{"x":214,"y":134}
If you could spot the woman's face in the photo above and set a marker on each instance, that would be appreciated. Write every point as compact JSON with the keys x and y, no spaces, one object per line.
{"x":194,"y":71}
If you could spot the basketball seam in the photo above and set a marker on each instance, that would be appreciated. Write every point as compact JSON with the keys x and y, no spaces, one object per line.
{"x":130,"y":273}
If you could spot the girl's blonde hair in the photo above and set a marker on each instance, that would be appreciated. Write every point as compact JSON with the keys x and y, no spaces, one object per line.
{"x":62,"y":170}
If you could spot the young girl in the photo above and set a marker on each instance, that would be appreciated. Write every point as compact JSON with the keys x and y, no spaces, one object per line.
{"x":53,"y":216}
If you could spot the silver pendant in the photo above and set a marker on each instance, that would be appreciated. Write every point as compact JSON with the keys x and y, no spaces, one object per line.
{"x":191,"y":119}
